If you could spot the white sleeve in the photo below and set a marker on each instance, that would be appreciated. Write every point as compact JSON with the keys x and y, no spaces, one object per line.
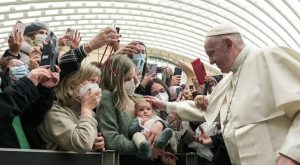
{"x":186,"y":110}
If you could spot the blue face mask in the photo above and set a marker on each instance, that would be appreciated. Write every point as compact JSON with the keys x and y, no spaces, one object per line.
{"x":139,"y":61}
{"x":19,"y":72}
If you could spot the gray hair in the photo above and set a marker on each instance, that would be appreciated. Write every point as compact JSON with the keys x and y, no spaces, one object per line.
{"x":236,"y":37}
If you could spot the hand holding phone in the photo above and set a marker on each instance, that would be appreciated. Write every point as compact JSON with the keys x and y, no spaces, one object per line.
{"x":178,"y":71}
{"x":20,"y":27}
{"x":175,"y":92}
{"x":49,"y":55}
{"x":159,"y":70}
{"x":177,"y":74}
{"x":152,"y":68}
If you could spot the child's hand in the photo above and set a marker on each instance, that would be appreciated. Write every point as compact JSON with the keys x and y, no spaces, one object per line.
{"x":143,"y":120}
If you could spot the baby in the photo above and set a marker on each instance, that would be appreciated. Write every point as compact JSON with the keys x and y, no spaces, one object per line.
{"x":146,"y":117}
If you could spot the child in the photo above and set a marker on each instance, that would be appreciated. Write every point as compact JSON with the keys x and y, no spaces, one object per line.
{"x":146,"y":117}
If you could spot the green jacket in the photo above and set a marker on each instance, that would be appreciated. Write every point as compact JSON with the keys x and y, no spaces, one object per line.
{"x":114,"y":125}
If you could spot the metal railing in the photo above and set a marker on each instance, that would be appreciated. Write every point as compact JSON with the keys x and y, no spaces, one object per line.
{"x":48,"y":157}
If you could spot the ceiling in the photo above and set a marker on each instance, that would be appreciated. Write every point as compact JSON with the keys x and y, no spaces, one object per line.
{"x":175,"y":27}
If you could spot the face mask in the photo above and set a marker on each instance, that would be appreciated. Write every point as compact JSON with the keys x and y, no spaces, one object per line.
{"x":85,"y":88}
{"x":139,"y":61}
{"x":137,"y":84}
{"x":162,"y":96}
{"x":39,"y":38}
{"x":19,"y":72}
{"x":129,"y":87}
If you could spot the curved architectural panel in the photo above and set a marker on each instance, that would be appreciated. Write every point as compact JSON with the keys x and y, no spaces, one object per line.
{"x":177,"y":26}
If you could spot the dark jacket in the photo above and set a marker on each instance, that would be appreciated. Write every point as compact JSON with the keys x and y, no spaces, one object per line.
{"x":71,"y":61}
{"x":221,"y":156}
{"x":31,"y":103}
{"x":7,"y":54}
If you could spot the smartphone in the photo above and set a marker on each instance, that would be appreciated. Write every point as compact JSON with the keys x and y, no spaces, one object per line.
{"x":178,"y":71}
{"x":152,"y":68}
{"x":174,"y":92}
{"x":178,"y":90}
{"x":20,"y":27}
{"x":118,"y":30}
{"x":159,"y":69}
{"x":70,"y":33}
{"x":199,"y":70}
{"x":49,"y":55}
{"x":113,"y":25}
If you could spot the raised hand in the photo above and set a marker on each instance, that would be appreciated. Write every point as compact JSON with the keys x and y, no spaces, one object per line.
{"x":147,"y":78}
{"x":15,"y":42}
{"x":75,"y":40}
{"x":39,"y":74}
{"x":128,"y":49}
{"x":105,"y":36}
{"x":35,"y":58}
{"x":175,"y":80}
{"x":53,"y":81}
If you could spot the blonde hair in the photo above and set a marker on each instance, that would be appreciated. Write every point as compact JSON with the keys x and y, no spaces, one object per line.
{"x":138,"y":101}
{"x":65,"y":92}
{"x":113,"y":75}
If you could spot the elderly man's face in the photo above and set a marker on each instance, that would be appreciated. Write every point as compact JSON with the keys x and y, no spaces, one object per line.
{"x":218,"y":53}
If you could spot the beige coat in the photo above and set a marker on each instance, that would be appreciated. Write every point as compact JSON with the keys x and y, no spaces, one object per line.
{"x":65,"y":129}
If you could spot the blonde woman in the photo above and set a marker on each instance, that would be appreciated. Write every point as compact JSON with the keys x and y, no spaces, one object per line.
{"x":70,"y":124}
{"x":115,"y":112}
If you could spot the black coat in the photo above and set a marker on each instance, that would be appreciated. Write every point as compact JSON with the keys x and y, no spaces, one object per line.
{"x":221,"y":156}
{"x":30,"y":103}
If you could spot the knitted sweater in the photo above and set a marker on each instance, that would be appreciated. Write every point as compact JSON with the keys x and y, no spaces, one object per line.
{"x":114,"y":125}
{"x":64,"y":128}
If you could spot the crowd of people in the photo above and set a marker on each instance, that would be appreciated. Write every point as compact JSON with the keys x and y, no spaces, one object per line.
{"x":120,"y":105}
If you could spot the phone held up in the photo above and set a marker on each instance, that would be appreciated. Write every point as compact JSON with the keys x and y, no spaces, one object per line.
{"x":199,"y":70}
{"x":178,"y":71}
{"x":114,"y":26}
{"x":20,"y":27}
{"x":152,"y":68}
{"x":49,"y":54}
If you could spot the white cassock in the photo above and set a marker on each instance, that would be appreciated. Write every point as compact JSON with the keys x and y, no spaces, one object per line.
{"x":263,"y":118}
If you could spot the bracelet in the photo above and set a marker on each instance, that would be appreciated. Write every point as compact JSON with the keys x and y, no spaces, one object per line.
{"x":88,"y":44}
{"x":84,"y":51}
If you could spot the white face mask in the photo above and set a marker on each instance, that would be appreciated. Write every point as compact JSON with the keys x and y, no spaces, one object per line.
{"x":85,"y":88}
{"x":162,"y":96}
{"x":39,"y":38}
{"x":129,"y":87}
{"x":137,"y":84}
